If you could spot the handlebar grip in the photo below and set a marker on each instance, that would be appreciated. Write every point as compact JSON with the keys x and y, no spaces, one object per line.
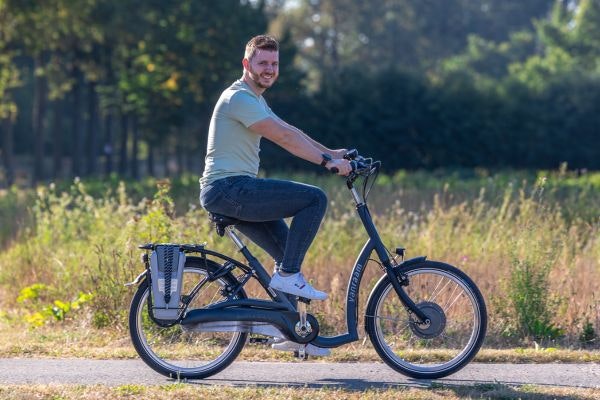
{"x":351,"y":154}
{"x":353,"y":164}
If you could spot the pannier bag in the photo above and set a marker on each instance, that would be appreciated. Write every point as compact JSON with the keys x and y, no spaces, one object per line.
{"x":166,"y":269}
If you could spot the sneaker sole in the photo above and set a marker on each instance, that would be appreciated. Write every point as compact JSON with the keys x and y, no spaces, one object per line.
{"x":295,"y":348}
{"x":299,"y":294}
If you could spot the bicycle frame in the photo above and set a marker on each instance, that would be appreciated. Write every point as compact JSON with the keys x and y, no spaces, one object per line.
{"x":271,"y":311}
{"x":374,"y":243}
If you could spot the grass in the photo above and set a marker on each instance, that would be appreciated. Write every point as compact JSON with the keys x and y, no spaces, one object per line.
{"x":185,"y":391}
{"x":520,"y":236}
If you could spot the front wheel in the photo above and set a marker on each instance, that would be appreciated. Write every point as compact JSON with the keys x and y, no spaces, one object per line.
{"x":457,"y":314}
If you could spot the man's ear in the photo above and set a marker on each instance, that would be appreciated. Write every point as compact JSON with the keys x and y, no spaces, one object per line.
{"x":245,"y":63}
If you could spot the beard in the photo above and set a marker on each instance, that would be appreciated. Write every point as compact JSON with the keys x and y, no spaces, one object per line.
{"x":256,"y":78}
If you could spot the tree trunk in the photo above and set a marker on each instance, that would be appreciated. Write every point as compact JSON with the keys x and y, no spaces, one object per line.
{"x":8,"y":150}
{"x":106,"y":58}
{"x":190,"y":153}
{"x":179,"y":159}
{"x":335,"y":57}
{"x":92,"y":129}
{"x":108,"y":143}
{"x":78,"y":134}
{"x":150,"y":160}
{"x":123,"y":145}
{"x":135,"y":173}
{"x":165,"y":158}
{"x":203,"y":127}
{"x":57,"y":139}
{"x":38,"y":115}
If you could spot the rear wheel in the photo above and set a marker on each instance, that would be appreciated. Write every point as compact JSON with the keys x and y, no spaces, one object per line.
{"x":174,"y":352}
{"x":458,"y":321}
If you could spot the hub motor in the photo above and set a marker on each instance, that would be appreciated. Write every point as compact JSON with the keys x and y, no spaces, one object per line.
{"x":437,"y":321}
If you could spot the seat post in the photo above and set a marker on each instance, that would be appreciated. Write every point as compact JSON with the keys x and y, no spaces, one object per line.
{"x":234,"y":237}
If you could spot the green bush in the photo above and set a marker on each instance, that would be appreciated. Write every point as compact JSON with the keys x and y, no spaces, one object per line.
{"x":531,"y":299}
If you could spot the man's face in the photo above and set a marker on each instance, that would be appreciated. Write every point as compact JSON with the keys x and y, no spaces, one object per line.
{"x":263,"y":68}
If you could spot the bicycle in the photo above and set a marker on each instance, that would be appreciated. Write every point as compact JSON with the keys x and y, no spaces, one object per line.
{"x":425,"y":319}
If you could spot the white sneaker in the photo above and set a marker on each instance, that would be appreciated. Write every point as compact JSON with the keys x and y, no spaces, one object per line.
{"x":311,"y":350}
{"x":297,"y":285}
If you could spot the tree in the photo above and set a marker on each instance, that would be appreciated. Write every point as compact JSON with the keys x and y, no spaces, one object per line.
{"x":408,"y":34}
{"x":9,"y":80}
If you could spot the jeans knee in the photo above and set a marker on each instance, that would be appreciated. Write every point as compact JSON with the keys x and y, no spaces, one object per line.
{"x":320,"y":198}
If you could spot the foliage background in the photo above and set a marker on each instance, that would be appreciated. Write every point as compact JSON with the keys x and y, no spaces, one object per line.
{"x":90,"y":88}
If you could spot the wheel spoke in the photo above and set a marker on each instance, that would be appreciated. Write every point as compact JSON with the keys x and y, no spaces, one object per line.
{"x":449,"y":301}
{"x":388,"y":318}
{"x":435,"y":294}
{"x":434,"y":291}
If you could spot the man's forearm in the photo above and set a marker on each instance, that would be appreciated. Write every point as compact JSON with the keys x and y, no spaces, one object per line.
{"x":308,"y":138}
{"x":290,"y":138}
{"x":316,"y":144}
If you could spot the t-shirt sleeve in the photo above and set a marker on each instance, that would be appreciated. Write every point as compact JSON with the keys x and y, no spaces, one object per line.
{"x":247,"y":109}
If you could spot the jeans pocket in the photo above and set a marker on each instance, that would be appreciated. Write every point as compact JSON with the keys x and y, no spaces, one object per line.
{"x":208,"y":195}
{"x":217,"y":200}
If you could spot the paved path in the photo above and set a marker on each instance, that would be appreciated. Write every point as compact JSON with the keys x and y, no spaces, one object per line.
{"x":311,"y":374}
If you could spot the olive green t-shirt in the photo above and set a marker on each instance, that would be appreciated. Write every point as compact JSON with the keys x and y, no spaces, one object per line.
{"x":232,"y":148}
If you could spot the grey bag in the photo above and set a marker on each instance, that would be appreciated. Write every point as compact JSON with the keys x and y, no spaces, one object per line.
{"x":166,"y":269}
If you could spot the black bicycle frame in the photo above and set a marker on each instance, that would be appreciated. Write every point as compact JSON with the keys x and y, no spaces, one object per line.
{"x":268,"y":311}
{"x":374,"y":243}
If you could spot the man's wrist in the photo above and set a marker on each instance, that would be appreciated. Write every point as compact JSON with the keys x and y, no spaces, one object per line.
{"x":325,"y":160}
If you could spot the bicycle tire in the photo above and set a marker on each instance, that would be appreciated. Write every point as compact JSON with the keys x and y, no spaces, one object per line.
{"x":455,"y":334}
{"x":155,"y":344}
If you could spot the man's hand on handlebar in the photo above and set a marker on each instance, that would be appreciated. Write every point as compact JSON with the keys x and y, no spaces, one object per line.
{"x":339,"y":153}
{"x":339,"y":166}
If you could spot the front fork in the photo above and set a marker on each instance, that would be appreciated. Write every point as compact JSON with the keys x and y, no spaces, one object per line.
{"x":382,"y":252}
{"x":398,"y":280}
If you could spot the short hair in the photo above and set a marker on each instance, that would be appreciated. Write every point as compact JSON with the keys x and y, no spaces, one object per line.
{"x":262,"y":42}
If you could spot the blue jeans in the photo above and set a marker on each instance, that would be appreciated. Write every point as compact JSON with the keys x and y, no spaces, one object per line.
{"x":263,"y":204}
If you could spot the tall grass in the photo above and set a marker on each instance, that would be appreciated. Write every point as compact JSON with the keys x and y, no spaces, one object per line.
{"x":533,"y":249}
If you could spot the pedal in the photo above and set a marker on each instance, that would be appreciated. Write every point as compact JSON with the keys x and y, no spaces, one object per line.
{"x":304,"y":300}
{"x":301,"y":353}
{"x":256,"y":340}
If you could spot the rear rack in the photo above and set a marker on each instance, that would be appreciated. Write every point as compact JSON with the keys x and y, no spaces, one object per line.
{"x":186,"y":248}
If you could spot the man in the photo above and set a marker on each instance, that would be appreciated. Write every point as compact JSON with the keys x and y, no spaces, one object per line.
{"x":229,"y":184}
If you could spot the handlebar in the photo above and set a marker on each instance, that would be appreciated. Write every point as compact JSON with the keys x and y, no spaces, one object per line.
{"x":351,"y":154}
{"x":360,"y":165}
